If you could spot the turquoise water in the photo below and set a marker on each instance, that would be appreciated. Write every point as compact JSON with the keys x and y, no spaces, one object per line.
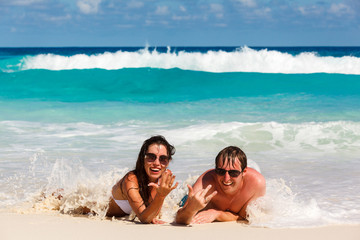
{"x":79,"y":115}
{"x":241,"y":96}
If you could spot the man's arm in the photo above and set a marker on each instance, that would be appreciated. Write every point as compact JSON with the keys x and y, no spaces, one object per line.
{"x":211,"y":215}
{"x":259,"y":186}
{"x":195,"y":202}
{"x":197,"y":199}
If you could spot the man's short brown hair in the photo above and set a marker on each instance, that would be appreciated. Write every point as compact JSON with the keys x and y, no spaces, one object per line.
{"x":230,"y":154}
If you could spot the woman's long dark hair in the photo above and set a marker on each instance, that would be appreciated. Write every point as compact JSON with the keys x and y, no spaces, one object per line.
{"x":139,"y":170}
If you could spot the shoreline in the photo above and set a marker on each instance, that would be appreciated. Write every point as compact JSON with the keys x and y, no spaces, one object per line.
{"x":40,"y":226}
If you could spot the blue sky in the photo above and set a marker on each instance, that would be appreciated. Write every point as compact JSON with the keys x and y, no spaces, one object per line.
{"x":179,"y":23}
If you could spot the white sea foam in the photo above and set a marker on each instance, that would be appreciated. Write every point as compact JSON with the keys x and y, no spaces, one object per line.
{"x":262,"y":136}
{"x":242,"y":60}
{"x":85,"y":159}
{"x":312,"y":136}
{"x":281,"y":207}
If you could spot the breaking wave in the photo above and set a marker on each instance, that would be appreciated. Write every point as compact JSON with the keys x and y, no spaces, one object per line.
{"x":243,"y":59}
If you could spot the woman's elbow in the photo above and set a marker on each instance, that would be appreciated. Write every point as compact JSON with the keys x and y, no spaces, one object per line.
{"x":145,"y":220}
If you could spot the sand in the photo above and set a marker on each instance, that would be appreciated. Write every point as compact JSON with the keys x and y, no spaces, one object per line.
{"x":57,"y":226}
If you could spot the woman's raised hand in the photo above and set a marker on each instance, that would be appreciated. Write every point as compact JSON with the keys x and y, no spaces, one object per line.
{"x":165,"y":185}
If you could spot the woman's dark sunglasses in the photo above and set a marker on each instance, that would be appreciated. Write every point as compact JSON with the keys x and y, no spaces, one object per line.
{"x":150,"y":157}
{"x":232,"y":173}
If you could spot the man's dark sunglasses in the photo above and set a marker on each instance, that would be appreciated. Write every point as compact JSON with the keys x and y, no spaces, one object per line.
{"x":150,"y":157}
{"x":232,"y":173}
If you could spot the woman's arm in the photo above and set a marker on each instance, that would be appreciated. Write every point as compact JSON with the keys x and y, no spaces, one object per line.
{"x":147,"y":214}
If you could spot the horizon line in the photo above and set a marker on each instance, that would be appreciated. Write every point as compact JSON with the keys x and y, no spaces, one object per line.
{"x":190,"y":46}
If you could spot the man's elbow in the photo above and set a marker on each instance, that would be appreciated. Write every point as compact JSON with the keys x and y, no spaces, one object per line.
{"x":182,"y":221}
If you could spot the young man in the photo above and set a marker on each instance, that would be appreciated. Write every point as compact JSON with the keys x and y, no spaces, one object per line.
{"x":222,"y":194}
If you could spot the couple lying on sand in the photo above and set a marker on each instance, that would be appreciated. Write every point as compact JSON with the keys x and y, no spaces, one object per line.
{"x":220,"y":194}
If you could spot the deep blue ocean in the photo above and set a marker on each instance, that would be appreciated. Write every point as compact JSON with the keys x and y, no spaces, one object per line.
{"x":72,"y":116}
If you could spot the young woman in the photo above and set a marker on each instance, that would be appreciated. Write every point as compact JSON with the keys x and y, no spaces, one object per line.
{"x":144,"y":189}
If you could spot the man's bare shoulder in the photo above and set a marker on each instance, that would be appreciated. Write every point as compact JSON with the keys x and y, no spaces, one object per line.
{"x":205,"y":179}
{"x":208,"y":175}
{"x":255,"y":179}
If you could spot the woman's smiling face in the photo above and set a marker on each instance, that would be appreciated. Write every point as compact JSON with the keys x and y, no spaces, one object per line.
{"x":156,"y":161}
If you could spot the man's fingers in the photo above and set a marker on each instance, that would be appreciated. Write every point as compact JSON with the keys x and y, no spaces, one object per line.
{"x":197,"y":220}
{"x":191,"y":191}
{"x":204,"y":192}
{"x":208,"y":198}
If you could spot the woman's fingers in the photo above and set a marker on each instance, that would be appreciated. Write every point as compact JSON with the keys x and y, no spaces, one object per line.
{"x":167,"y":176}
{"x":169,"y":180}
{"x":163,"y":179}
{"x":153,"y":185}
{"x":175,"y":186}
{"x":157,"y":221}
{"x":165,"y":185}
{"x":172,"y":180}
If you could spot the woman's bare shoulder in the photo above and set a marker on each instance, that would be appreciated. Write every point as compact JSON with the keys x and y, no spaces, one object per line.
{"x":130,"y":179}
